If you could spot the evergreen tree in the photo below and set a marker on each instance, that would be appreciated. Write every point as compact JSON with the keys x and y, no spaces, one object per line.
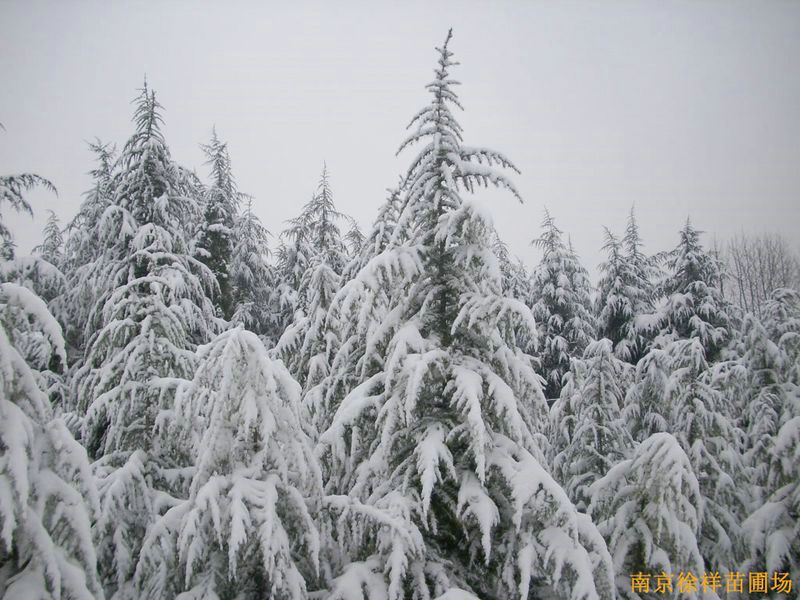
{"x":87,"y":242}
{"x":649,"y":508}
{"x":11,"y":190}
{"x":216,"y":244}
{"x":439,"y":449}
{"x":48,"y":496}
{"x":647,"y":408}
{"x":253,"y":296}
{"x":148,"y":326}
{"x":643,"y":268}
{"x":596,"y":438}
{"x":694,"y":307}
{"x":245,"y":530}
{"x":354,"y":238}
{"x":773,"y":529}
{"x":380,"y":235}
{"x":82,"y":243}
{"x":36,"y":274}
{"x":561,"y":305}
{"x":51,"y":248}
{"x":310,"y":341}
{"x":699,"y":422}
{"x":623,"y":295}
{"x":516,"y":284}
{"x":773,"y":418}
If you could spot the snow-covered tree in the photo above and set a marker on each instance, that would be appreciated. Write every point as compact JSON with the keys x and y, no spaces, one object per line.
{"x":643,"y":268}
{"x":439,"y":448}
{"x":649,"y":508}
{"x":693,"y":306}
{"x":216,"y":244}
{"x":773,"y":529}
{"x":82,"y":243}
{"x":622,"y":296}
{"x":87,"y":261}
{"x":12,"y":188}
{"x":148,"y":326}
{"x":765,"y":399}
{"x":379,"y":235}
{"x":51,"y":248}
{"x":48,"y":498}
{"x":561,"y":305}
{"x":256,"y":303}
{"x":313,"y":237}
{"x":646,"y":409}
{"x":245,"y":530}
{"x":772,"y":362}
{"x":36,"y":274}
{"x":354,"y":239}
{"x":781,"y":317}
{"x":589,"y":436}
{"x":310,"y":341}
{"x":700,"y":422}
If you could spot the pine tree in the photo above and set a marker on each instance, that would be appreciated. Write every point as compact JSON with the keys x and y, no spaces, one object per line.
{"x":694,"y":307}
{"x":82,"y":243}
{"x":380,"y":235}
{"x":358,"y":312}
{"x":38,"y":275}
{"x":147,"y":327}
{"x":51,"y":248}
{"x":596,"y":439}
{"x":88,"y":265}
{"x":561,"y":305}
{"x":773,"y":362}
{"x":439,"y":449}
{"x":216,"y":244}
{"x":354,"y":239}
{"x":245,"y":530}
{"x":253,"y":289}
{"x":313,"y":237}
{"x":698,"y":420}
{"x":49,"y":498}
{"x":649,"y":508}
{"x":623,"y":295}
{"x":11,"y":191}
{"x":772,"y":530}
{"x":646,"y":410}
{"x":643,"y":268}
{"x":310,"y":341}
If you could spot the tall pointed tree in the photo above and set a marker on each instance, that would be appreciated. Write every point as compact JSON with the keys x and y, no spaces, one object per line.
{"x":256,"y":299}
{"x":216,"y":244}
{"x":597,"y":438}
{"x":442,"y":442}
{"x":51,"y":248}
{"x":561,"y":305}
{"x":694,"y":307}
{"x":309,"y":342}
{"x":87,"y":241}
{"x":148,"y":327}
{"x":622,"y":296}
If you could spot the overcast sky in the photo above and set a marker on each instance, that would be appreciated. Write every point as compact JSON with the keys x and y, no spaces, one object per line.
{"x":681,"y":108}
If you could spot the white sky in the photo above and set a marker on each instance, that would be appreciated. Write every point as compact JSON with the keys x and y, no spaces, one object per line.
{"x":683,"y":108}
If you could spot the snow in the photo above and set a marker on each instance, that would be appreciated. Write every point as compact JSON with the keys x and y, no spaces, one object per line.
{"x":365,"y":417}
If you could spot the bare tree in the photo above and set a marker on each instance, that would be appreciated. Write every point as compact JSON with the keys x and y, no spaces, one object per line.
{"x":757,"y":265}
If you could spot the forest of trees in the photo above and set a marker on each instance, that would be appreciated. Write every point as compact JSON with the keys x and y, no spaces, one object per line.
{"x":406,"y":413}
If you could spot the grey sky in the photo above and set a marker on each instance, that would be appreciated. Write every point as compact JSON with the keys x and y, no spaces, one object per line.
{"x":683,"y":108}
